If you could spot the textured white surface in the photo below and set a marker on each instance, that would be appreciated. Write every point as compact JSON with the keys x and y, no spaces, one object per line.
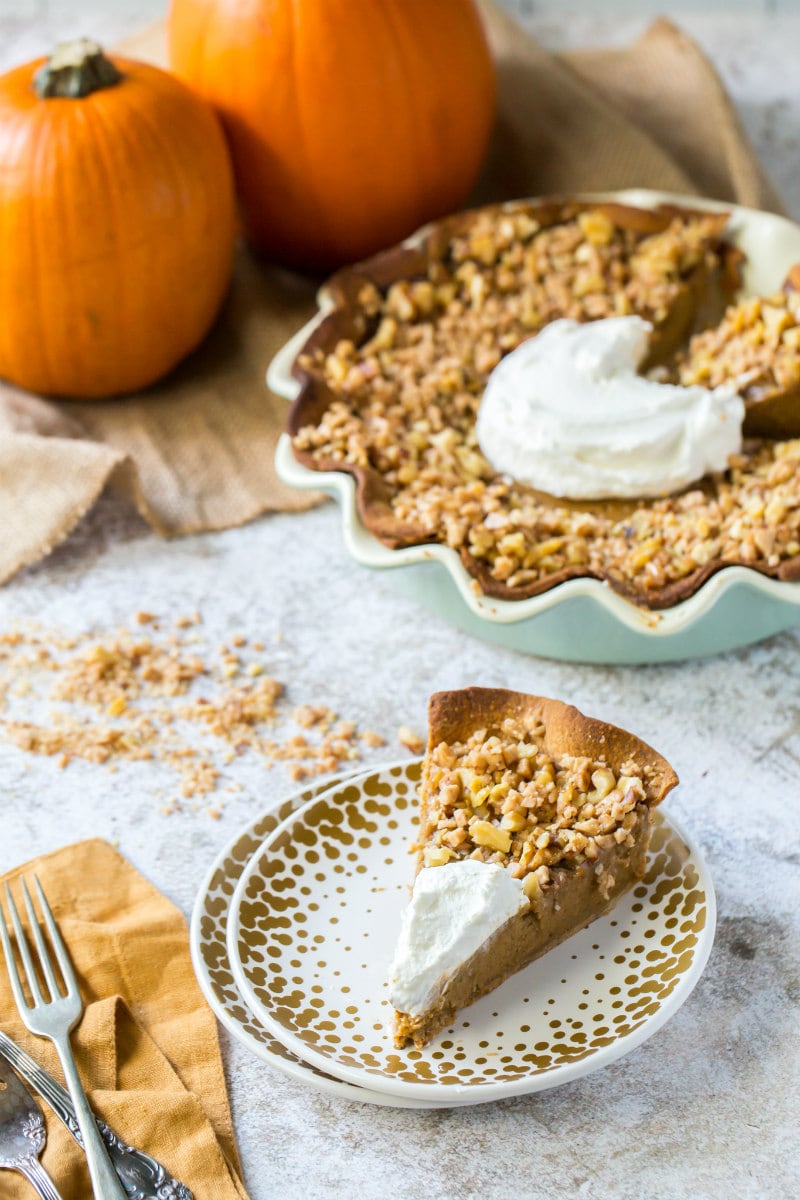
{"x":709,"y":1108}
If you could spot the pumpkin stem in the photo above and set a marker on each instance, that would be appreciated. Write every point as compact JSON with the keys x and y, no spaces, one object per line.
{"x":75,"y":69}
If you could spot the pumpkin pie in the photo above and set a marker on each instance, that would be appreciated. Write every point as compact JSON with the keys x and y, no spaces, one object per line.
{"x":534,"y":820}
{"x":392,"y":378}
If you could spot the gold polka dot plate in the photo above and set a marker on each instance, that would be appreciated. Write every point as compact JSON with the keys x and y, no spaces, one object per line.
{"x":213,"y":969}
{"x":314,"y":921}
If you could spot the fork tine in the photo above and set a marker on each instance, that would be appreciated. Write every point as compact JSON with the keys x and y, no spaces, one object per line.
{"x":62,"y":954}
{"x":24,"y":950}
{"x":45,"y":959}
{"x":11,"y":965}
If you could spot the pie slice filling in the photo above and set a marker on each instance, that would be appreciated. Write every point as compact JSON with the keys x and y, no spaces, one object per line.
{"x":534,"y":820}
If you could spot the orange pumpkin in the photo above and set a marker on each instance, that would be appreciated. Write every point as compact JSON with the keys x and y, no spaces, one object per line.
{"x":351,"y":122}
{"x":117,"y":223}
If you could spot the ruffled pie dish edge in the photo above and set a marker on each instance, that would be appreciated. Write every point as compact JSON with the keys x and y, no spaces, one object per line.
{"x":777,"y":242}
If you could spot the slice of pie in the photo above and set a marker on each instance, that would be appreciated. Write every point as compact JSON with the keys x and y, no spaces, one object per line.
{"x":534,"y":819}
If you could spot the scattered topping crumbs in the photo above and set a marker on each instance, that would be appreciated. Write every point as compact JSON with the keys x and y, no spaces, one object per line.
{"x":165,"y":698}
{"x":308,"y":715}
{"x":412,"y":741}
{"x":185,"y":621}
{"x":372,"y":739}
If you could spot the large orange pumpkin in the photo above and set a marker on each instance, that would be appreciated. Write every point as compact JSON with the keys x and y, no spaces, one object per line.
{"x":117,"y":223}
{"x":351,"y":121}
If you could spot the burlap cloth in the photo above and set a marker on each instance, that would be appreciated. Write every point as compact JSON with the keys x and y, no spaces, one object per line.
{"x":196,"y":452}
{"x":147,"y":1046}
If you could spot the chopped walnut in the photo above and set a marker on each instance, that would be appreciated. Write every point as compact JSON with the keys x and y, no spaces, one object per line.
{"x":411,"y":740}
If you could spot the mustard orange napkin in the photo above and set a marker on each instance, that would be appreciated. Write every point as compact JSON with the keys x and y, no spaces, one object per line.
{"x":196,"y":452}
{"x":147,"y":1046}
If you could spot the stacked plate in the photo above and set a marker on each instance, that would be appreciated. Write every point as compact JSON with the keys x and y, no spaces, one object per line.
{"x":294,"y":930}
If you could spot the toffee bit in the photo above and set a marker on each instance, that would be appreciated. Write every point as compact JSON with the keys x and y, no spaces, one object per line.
{"x":372,"y":739}
{"x":411,"y":740}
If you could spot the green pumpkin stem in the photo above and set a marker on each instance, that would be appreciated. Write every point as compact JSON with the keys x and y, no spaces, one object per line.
{"x":75,"y":69}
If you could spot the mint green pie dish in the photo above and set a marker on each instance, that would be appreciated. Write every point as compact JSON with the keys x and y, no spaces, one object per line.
{"x":580,"y":620}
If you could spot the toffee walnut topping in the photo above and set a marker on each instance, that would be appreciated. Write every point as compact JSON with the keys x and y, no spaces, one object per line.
{"x":756,"y":348}
{"x":404,"y":403}
{"x":499,"y":797}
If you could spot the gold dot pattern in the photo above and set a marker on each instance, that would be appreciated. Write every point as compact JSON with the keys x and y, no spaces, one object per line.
{"x":213,"y":926}
{"x":315,"y":944}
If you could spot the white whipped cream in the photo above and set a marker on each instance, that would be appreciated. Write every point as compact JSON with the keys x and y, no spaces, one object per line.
{"x":454,"y":909}
{"x":566,"y":413}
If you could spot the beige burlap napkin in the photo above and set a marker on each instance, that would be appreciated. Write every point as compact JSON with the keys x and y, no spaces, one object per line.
{"x":196,"y":451}
{"x":147,"y":1046}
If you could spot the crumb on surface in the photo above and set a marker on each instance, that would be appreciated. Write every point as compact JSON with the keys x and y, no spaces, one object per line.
{"x":370,"y":738}
{"x":120,"y":697}
{"x":411,"y":740}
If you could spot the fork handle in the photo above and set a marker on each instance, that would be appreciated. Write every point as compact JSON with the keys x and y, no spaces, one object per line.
{"x":142,"y":1176}
{"x":35,"y":1173}
{"x":105,"y":1184}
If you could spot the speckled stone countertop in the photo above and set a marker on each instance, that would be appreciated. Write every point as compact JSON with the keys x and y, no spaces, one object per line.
{"x":708,"y":1109}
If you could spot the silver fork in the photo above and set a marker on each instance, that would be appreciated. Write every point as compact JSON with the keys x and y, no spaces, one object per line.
{"x":54,"y":1018}
{"x":22,"y":1134}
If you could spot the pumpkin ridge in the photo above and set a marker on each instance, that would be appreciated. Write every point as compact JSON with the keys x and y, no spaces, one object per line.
{"x":218,"y":203}
{"x":420,"y":127}
{"x":299,"y":91}
{"x":12,"y":127}
{"x":103,"y":139}
{"x":388,"y":19}
{"x":40,"y":153}
{"x":71,"y":343}
{"x":445,"y":139}
{"x":169,"y":159}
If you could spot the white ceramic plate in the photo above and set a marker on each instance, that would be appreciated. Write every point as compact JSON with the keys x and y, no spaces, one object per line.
{"x":581,"y":620}
{"x":213,"y":970}
{"x":316,"y":914}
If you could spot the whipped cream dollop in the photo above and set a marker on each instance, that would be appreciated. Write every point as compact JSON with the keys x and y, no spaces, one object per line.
{"x":454,"y":909}
{"x":567,"y":413}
